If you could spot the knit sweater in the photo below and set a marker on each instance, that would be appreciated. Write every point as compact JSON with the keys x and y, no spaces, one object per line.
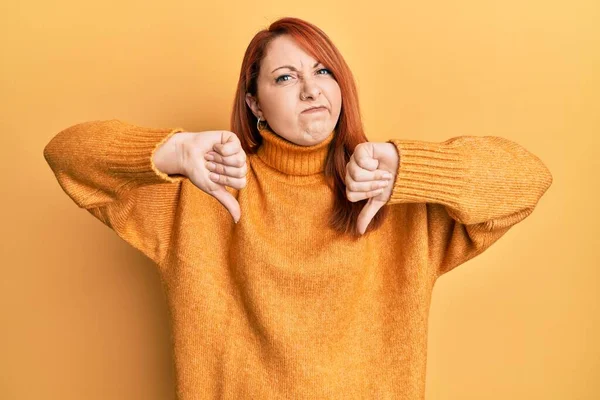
{"x":279,"y":305}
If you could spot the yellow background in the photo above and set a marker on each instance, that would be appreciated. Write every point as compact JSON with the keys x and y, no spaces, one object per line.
{"x":83,"y":314}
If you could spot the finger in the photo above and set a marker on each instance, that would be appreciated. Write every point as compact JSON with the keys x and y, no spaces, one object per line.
{"x":228,"y":201}
{"x":237,"y":183}
{"x":354,"y":186}
{"x":236,"y":160}
{"x":367,"y":214}
{"x":364,"y":158}
{"x":358,"y":196}
{"x":221,"y":169}
{"x":230,"y":146}
{"x":360,"y":174}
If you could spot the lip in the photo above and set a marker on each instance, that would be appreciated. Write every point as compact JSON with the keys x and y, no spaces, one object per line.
{"x":314,"y":109}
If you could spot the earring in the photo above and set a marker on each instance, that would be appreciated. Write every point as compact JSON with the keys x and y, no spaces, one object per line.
{"x":258,"y":124}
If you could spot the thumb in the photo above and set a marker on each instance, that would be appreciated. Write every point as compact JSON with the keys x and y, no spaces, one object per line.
{"x":367,"y":214}
{"x":230,"y":202}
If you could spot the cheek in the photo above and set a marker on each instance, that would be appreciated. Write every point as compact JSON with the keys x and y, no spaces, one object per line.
{"x":282,"y":106}
{"x":334,"y":94}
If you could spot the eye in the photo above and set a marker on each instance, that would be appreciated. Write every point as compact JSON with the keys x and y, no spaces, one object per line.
{"x":279,"y":79}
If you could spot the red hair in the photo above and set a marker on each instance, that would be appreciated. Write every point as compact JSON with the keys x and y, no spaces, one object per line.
{"x":349,"y":129}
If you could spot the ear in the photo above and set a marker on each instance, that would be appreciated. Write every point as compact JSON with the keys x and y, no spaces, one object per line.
{"x":253,"y":104}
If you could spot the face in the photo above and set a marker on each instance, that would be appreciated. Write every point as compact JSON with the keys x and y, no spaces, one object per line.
{"x":285,"y":92}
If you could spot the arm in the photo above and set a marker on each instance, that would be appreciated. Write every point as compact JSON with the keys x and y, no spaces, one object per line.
{"x":476,"y":188}
{"x":107,"y":168}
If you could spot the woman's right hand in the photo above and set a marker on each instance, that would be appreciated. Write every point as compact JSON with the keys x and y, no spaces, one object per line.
{"x":219,"y":154}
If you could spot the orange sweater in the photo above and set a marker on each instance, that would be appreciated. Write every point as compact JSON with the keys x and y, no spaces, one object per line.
{"x":279,"y":305}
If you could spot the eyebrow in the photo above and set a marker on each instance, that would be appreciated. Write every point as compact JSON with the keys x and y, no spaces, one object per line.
{"x":294,"y":68}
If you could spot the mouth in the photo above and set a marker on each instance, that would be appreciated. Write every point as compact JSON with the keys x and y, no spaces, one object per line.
{"x":314,"y":109}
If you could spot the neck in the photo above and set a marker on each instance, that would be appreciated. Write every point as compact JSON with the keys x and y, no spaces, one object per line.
{"x":290,"y":158}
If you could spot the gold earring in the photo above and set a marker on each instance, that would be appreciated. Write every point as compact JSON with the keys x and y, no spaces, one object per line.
{"x":258,"y":124}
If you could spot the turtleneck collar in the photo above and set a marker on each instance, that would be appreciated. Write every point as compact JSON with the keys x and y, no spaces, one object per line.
{"x":291,"y":158}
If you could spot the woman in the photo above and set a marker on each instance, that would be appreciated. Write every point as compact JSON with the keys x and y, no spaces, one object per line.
{"x":313,"y":290}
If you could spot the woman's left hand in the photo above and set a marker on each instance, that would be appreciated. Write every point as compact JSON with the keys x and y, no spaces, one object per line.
{"x":371,"y":173}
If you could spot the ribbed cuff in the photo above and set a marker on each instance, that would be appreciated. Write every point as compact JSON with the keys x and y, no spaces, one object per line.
{"x":428,"y":172}
{"x":131,"y":152}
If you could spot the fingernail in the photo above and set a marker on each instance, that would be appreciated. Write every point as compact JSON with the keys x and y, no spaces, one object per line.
{"x":213,"y":176}
{"x":209,"y":157}
{"x":387,"y":175}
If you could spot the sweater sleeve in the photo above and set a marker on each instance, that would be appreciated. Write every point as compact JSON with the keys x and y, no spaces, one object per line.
{"x":106,"y":167}
{"x":475,"y":189}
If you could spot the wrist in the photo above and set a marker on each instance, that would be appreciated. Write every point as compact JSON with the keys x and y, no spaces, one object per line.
{"x":168,"y":157}
{"x":180,"y":141}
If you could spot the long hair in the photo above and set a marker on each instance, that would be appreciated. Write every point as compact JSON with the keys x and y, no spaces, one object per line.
{"x":349,"y":129}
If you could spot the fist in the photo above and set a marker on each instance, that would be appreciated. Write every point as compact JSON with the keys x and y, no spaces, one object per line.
{"x":213,"y":160}
{"x":370,"y":174}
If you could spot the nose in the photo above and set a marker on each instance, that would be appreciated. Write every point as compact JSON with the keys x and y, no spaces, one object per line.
{"x":310,"y":90}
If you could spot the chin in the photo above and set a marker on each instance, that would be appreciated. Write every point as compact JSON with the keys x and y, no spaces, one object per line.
{"x":310,"y":140}
{"x":317,"y":134}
